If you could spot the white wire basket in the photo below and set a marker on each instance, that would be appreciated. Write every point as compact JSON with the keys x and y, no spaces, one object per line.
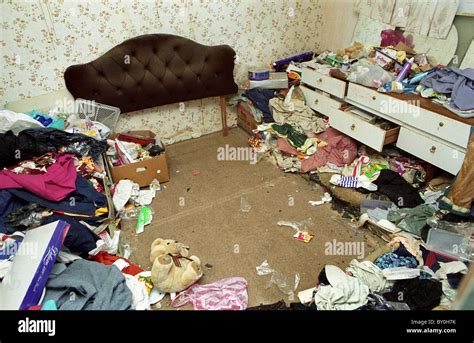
{"x":105,"y":114}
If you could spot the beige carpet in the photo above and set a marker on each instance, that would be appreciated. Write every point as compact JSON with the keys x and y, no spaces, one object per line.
{"x":203,"y":212}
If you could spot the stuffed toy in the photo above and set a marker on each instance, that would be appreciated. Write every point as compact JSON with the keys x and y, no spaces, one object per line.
{"x":172,"y":270}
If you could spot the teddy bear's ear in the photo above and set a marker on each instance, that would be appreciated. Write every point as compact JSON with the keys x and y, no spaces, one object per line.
{"x":156,"y":252}
{"x":184,"y":251}
{"x":156,"y":242}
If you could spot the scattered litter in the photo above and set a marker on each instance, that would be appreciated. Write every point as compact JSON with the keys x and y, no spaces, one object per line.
{"x":326,"y":198}
{"x":244,"y":205}
{"x":155,"y":185}
{"x":196,"y":173}
{"x":129,"y":191}
{"x":283,"y":282}
{"x":144,"y":218}
{"x":301,"y":229}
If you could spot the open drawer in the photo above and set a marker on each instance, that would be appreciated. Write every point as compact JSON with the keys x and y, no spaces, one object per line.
{"x":363,"y":127}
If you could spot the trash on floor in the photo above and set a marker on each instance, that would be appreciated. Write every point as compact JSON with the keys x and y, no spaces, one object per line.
{"x":326,"y":198}
{"x":283,"y":282}
{"x":302,"y":229}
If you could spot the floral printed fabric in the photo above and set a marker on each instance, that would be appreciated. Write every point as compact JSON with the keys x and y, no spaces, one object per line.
{"x":392,"y":260}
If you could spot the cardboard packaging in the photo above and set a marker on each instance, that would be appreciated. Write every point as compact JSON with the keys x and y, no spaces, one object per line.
{"x":275,"y":81}
{"x":245,"y":120}
{"x":142,"y":172}
{"x":23,"y":286}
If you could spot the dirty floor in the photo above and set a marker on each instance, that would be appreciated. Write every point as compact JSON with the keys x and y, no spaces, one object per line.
{"x":200,"y":206}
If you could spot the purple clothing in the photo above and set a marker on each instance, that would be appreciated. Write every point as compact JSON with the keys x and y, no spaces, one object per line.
{"x":455,"y":83}
{"x":58,"y":181}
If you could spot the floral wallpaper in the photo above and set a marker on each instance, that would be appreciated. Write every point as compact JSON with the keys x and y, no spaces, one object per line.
{"x":39,"y":39}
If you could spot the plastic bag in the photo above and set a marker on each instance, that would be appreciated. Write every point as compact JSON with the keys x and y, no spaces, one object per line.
{"x":453,"y":238}
{"x":283,"y":282}
{"x":370,"y":75}
{"x":244,"y":205}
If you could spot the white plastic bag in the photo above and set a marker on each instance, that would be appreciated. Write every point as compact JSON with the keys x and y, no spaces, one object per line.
{"x":16,"y":122}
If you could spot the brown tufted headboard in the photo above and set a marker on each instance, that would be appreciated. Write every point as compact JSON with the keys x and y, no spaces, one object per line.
{"x":153,"y":70}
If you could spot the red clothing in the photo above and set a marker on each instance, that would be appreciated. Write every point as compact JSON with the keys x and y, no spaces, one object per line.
{"x":107,"y":259}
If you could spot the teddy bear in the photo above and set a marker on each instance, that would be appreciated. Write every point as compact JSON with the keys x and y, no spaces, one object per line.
{"x":172,"y":270}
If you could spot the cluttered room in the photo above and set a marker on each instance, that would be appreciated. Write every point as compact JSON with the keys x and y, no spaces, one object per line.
{"x":237,"y":155}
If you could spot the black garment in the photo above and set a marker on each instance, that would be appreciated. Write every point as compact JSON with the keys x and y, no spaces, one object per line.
{"x":455,"y":279}
{"x":278,"y":306}
{"x":322,"y":278}
{"x":15,"y":149}
{"x":419,"y":294}
{"x":38,"y":141}
{"x":397,"y":189}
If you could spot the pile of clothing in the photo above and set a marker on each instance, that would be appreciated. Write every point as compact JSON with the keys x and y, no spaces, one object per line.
{"x":407,"y":276}
{"x":51,"y":175}
{"x":451,"y":87}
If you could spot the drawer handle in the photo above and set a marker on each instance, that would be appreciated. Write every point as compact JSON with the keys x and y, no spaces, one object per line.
{"x":433,"y":149}
{"x":353,"y":127}
{"x":374,"y":98}
{"x":441,"y":124}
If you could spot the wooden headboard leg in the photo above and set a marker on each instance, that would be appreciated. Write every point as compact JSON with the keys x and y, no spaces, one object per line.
{"x":225,"y":129}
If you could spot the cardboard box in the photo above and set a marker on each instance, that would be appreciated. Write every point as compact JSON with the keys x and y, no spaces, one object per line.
{"x":23,"y":286}
{"x":245,"y":120}
{"x":276,"y":81}
{"x":142,"y":172}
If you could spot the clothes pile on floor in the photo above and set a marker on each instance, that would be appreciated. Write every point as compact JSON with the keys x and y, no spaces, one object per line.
{"x":404,"y":275}
{"x":420,"y":216}
{"x":54,"y":183}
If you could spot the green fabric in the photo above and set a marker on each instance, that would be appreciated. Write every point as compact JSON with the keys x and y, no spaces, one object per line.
{"x":411,"y":219}
{"x":295,"y":138}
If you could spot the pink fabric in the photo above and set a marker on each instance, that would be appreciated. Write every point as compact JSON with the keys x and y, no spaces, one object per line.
{"x":58,"y":181}
{"x":283,"y":146}
{"x":341,"y":150}
{"x":226,"y":294}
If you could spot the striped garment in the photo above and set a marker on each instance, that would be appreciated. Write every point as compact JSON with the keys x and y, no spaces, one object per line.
{"x":348,"y":181}
{"x":226,"y":294}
